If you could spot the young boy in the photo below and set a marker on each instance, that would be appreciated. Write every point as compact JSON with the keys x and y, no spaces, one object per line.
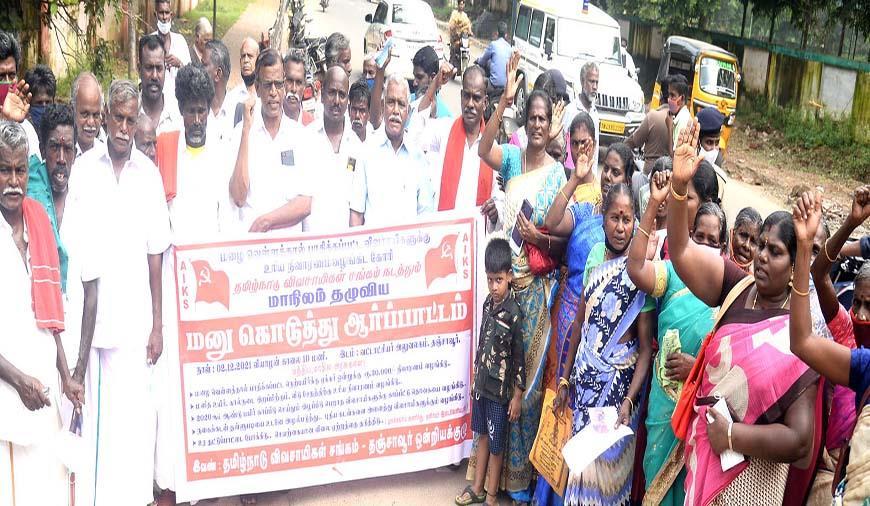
{"x":499,"y":375}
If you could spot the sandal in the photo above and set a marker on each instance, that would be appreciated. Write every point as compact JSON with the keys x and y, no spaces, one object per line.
{"x":472,"y":498}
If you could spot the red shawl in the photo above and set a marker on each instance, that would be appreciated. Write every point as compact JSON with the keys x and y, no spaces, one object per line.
{"x":44,"y":267}
{"x":167,"y":161}
{"x":453,"y":168}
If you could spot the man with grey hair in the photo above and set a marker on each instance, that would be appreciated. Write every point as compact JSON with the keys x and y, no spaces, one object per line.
{"x":31,"y":354}
{"x":393,"y":186}
{"x":118,"y":191}
{"x":216,"y":61}
{"x":87,"y":102}
{"x":338,"y":51}
{"x":202,"y":33}
{"x":585,"y":101}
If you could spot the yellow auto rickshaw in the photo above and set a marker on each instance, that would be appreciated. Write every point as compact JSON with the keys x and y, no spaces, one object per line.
{"x":713,"y":75}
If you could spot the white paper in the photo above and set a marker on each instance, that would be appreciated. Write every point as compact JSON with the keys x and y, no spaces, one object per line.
{"x":728,"y":458}
{"x":594,"y":439}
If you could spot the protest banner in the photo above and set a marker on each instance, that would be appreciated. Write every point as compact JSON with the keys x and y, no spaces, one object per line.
{"x":316,"y":359}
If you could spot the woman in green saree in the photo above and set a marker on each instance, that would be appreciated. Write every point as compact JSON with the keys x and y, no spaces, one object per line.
{"x":683,"y":321}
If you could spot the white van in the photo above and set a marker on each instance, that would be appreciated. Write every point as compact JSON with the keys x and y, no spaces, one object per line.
{"x":560,"y":34}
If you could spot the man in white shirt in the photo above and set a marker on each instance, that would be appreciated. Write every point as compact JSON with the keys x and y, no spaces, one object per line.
{"x":87,"y":102}
{"x":270,"y":185}
{"x":339,"y":154}
{"x":678,"y":96}
{"x":585,"y":102}
{"x":216,"y":60}
{"x":202,"y":33}
{"x":248,"y":53}
{"x":393,"y":186}
{"x":118,"y":191}
{"x":158,"y":103}
{"x":461,"y":180}
{"x":31,"y":354}
{"x":196,"y":199}
{"x":177,"y":51}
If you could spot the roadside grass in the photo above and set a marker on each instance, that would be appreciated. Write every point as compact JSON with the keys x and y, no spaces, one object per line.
{"x":228,"y":12}
{"x":825,"y":144}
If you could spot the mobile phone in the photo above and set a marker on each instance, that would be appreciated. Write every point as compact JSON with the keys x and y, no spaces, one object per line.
{"x":4,"y":90}
{"x":381,"y":57}
{"x":517,"y":241}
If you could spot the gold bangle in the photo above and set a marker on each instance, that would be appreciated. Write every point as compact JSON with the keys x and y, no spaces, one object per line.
{"x":730,"y":426}
{"x":627,"y":398}
{"x":563,"y":194}
{"x":548,"y":243}
{"x":679,"y":197}
{"x":644,"y":232}
{"x":564,"y":383}
{"x":798,"y":292}
{"x":825,"y":247}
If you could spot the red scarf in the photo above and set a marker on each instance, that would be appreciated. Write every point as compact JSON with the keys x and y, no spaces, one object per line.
{"x":453,"y":168}
{"x":861,"y":329}
{"x":167,"y":161}
{"x":44,"y":267}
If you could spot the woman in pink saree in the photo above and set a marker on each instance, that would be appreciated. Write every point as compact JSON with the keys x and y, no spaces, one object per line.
{"x":746,"y":361}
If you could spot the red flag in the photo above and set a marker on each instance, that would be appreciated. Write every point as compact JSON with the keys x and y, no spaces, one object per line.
{"x":211,"y":285}
{"x":439,"y":261}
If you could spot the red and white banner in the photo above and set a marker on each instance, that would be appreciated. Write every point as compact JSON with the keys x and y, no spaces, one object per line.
{"x":318,"y":359}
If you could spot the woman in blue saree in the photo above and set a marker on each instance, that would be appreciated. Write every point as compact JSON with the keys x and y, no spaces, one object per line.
{"x":608,"y":355}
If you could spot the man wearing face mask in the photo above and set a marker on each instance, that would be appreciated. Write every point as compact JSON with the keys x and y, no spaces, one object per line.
{"x":370,"y":70}
{"x":175,"y":47}
{"x":711,"y":121}
{"x":294,"y":86}
{"x":585,"y":102}
{"x":158,"y":102}
{"x":43,"y":87}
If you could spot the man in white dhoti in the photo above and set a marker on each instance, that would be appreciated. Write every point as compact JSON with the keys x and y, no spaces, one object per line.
{"x":31,"y":353}
{"x":196,"y":190}
{"x":119,"y":191}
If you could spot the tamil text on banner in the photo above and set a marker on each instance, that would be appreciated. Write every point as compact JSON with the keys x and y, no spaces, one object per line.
{"x":311,"y":360}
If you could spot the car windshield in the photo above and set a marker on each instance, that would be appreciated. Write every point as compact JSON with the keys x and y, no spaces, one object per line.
{"x":599,"y":42}
{"x":411,"y":12}
{"x":718,"y":78}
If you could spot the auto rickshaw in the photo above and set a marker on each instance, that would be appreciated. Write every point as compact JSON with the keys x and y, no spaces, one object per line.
{"x":713,"y":75}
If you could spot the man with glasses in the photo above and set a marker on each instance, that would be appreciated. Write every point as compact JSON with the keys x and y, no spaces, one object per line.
{"x":270,"y":185}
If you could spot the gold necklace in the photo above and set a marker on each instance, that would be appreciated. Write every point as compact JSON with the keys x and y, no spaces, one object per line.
{"x":785,"y":302}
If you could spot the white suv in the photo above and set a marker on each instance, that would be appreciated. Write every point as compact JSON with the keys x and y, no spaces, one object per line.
{"x":558,"y":34}
{"x":411,"y":25}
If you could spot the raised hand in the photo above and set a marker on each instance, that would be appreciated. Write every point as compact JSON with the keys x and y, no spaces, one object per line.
{"x":584,"y":161}
{"x":807,"y":214}
{"x":17,"y":103}
{"x":510,"y":88}
{"x":686,"y":159}
{"x":659,"y":186}
{"x":860,"y":206}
